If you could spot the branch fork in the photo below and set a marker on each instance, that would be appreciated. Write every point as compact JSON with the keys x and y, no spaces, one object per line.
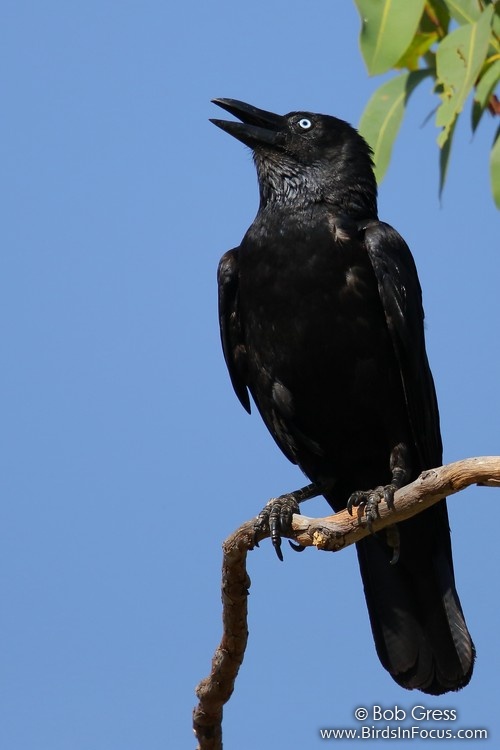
{"x":331,"y":534}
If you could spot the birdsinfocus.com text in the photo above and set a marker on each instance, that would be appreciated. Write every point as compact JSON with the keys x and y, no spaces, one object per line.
{"x":403,"y":733}
{"x":443,"y":717}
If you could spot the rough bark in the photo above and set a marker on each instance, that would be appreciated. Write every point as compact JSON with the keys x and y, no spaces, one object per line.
{"x":331,"y":534}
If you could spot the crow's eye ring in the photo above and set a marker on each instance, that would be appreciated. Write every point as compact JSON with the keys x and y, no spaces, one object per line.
{"x":305,"y":124}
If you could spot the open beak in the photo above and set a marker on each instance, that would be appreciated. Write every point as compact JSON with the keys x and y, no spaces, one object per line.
{"x":257,"y":127}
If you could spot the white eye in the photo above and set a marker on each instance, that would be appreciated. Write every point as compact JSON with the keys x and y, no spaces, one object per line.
{"x":305,"y":124}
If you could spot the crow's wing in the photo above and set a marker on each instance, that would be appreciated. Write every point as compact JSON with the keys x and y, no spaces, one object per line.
{"x":401,"y":297}
{"x":233,"y":344}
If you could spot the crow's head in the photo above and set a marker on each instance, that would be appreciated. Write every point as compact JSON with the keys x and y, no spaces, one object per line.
{"x":304,"y":157}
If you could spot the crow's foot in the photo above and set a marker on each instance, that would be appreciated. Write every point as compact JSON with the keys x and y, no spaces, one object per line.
{"x":276,"y":516}
{"x":369,"y":500}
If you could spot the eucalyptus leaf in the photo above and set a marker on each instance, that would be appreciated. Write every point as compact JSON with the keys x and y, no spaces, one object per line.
{"x":459,"y":60}
{"x":420,"y":45}
{"x":383,"y":115}
{"x":388,"y":27}
{"x":464,"y":11}
{"x":495,"y":37}
{"x":444,"y":158}
{"x":495,"y":168}
{"x":437,"y":15}
{"x":484,"y":89}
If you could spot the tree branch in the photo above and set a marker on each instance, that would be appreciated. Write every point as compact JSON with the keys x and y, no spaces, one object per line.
{"x":331,"y":533}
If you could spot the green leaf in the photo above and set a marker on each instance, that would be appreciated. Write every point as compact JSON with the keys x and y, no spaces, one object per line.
{"x":496,"y":29}
{"x":464,"y":11}
{"x":459,"y":60}
{"x":436,"y":17}
{"x":469,"y":11}
{"x":484,"y":90}
{"x":418,"y":47}
{"x":444,"y":158}
{"x":388,"y":26}
{"x":383,"y":114}
{"x":495,"y":168}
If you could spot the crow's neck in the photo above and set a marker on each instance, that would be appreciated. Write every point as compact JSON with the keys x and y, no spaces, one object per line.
{"x":286,"y":185}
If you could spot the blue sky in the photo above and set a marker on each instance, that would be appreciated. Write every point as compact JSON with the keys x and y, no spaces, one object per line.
{"x":126,"y":458}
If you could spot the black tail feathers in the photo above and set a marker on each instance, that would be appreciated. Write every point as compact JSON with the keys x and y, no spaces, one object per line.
{"x":417,"y":621}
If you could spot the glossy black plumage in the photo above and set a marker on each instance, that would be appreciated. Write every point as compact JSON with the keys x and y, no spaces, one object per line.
{"x":322,"y":323}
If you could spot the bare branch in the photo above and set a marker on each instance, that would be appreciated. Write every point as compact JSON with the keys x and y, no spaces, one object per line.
{"x":331,"y":533}
{"x":335,"y":532}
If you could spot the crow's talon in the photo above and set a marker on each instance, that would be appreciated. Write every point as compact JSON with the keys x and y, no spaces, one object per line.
{"x":393,"y":540}
{"x":389,"y":492}
{"x":276,"y":517}
{"x":369,"y":501}
{"x":355,"y":500}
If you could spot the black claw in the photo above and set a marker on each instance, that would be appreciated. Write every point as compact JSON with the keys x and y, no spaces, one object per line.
{"x":275,"y":527}
{"x":393,"y":540}
{"x":355,"y":500}
{"x":395,"y":556}
{"x":277,"y":549}
{"x":296,"y":547}
{"x":389,"y":492}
